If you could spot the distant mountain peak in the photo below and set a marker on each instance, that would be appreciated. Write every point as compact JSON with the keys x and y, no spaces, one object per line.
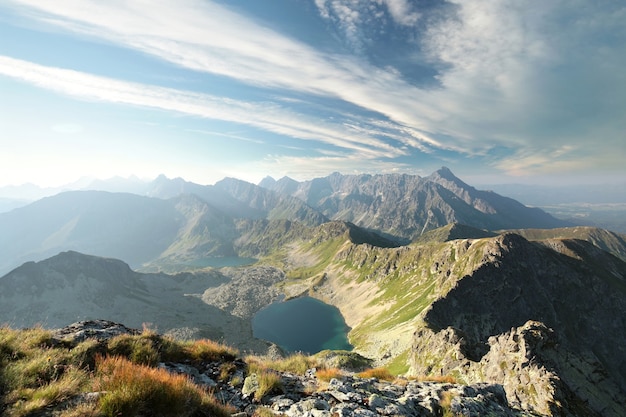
{"x":267,"y":182}
{"x":446,"y":174}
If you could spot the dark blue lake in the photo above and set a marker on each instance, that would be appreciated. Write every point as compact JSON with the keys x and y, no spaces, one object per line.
{"x":302,"y":324}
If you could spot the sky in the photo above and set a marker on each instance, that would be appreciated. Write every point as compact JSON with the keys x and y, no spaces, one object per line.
{"x":499,"y":91}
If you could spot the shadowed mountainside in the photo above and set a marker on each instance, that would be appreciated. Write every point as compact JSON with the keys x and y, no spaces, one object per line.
{"x":72,"y":286}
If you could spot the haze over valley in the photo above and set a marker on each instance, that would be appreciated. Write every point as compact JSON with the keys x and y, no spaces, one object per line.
{"x":419,"y":268}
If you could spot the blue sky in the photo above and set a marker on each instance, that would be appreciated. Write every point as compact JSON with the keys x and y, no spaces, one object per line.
{"x":498,"y":91}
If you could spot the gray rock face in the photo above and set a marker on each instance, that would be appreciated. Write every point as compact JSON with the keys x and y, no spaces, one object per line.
{"x":247,"y":291}
{"x":407,"y":205}
{"x":92,"y":329}
{"x":351,"y":396}
{"x":542,"y":323}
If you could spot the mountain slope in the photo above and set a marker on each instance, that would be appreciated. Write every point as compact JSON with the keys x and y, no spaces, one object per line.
{"x":496,"y":309}
{"x":614,"y":243}
{"x":504,"y":211}
{"x":406,"y":206}
{"x":152,"y":233}
{"x":124,"y":226}
{"x":72,"y":286}
{"x":271,"y":204}
{"x":548,"y":314}
{"x":566,"y":301}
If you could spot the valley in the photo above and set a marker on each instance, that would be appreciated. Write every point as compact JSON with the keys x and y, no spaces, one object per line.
{"x":432,"y":276}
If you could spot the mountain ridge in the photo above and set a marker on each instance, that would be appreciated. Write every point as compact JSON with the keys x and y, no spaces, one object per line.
{"x":158,"y":228}
{"x":405,"y":206}
{"x":435,"y":306}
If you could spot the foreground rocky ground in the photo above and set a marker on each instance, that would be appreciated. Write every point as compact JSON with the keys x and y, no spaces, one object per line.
{"x":308,"y":394}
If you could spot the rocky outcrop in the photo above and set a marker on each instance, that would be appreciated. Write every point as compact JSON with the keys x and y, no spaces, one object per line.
{"x":539,"y":321}
{"x":406,"y":206}
{"x":307,"y":395}
{"x":248,"y":290}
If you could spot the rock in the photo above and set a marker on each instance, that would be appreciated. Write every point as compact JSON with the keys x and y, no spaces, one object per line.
{"x":92,"y":329}
{"x":250,"y":385}
{"x":198,"y":378}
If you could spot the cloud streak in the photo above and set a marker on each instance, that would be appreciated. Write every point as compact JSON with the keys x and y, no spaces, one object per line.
{"x":530,"y":78}
{"x":257,"y":55}
{"x":266,"y":116}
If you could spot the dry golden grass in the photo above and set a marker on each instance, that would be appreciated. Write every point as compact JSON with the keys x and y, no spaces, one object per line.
{"x":149,"y":349}
{"x":133,"y":390}
{"x":37,"y":372}
{"x":443,"y":379}
{"x":89,"y":409}
{"x":327,"y":374}
{"x":446,"y":404}
{"x":269,"y":382}
{"x":33,"y":374}
{"x":297,"y":364}
{"x":263,"y":412}
{"x":207,"y":350}
{"x":378,"y":373}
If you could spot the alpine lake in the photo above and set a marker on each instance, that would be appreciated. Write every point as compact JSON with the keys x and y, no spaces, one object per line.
{"x":302,"y":324}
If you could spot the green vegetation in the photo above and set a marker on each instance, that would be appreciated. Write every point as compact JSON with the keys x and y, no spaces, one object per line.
{"x":296,"y":364}
{"x":135,"y":390}
{"x":342,"y":359}
{"x":400,"y":364}
{"x":38,"y":371}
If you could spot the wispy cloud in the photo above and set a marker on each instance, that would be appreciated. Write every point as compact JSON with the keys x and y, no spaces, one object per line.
{"x":525,"y":76}
{"x":258,"y":56}
{"x":303,"y":168}
{"x":266,"y":116}
{"x":402,"y":12}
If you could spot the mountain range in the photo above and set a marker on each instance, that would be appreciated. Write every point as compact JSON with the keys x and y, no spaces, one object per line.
{"x":432,"y":276}
{"x":174,"y":222}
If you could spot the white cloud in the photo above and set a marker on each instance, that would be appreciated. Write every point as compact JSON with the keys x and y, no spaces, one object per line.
{"x":305,"y":168}
{"x":237,"y":47}
{"x":402,"y":12}
{"x":526,"y":76}
{"x":265,"y":116}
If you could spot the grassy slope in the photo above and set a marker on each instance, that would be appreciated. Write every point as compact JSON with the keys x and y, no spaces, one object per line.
{"x":382,"y":292}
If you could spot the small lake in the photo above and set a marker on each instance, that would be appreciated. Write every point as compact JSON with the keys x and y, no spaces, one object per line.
{"x":302,"y":324}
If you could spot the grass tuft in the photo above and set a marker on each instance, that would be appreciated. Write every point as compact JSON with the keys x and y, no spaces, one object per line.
{"x":444,"y":379}
{"x":205,"y":350}
{"x":269,"y":382}
{"x":378,"y":373}
{"x":40,"y":373}
{"x":329,"y":373}
{"x":133,"y":390}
